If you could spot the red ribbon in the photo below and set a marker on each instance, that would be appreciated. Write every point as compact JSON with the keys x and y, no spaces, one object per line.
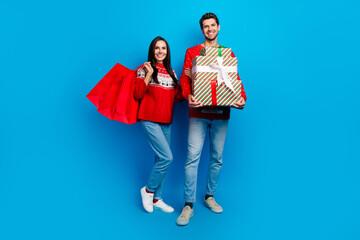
{"x":213,"y":92}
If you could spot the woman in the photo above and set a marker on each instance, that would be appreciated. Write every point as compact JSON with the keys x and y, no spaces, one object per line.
{"x":157,"y":87}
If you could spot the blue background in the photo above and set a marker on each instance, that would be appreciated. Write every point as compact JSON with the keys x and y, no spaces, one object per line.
{"x":291,"y":159}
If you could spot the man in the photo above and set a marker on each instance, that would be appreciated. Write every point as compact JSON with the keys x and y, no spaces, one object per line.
{"x":213,"y":120}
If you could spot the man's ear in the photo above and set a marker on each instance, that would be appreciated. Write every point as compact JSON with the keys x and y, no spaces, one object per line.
{"x":219,"y":27}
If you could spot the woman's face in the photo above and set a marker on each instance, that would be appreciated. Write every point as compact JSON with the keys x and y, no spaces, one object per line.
{"x":160,"y":51}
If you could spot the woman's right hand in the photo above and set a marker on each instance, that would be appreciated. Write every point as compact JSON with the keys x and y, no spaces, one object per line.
{"x":148,"y":68}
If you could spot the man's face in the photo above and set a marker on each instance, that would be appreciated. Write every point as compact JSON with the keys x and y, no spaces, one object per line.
{"x":210,"y":29}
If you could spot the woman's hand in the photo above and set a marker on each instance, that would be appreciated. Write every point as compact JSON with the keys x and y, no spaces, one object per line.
{"x":148,"y":68}
{"x":149,"y":71}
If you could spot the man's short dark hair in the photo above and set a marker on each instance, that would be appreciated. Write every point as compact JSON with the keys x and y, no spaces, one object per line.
{"x":208,"y":16}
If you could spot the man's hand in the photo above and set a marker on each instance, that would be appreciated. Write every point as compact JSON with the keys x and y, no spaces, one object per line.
{"x":192,"y":102}
{"x":239,"y":104}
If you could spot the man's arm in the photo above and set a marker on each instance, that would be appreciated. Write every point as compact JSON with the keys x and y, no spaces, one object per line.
{"x":185,"y":81}
{"x":241,"y":102}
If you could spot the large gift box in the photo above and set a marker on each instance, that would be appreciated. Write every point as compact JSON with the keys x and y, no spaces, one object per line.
{"x":215,"y":81}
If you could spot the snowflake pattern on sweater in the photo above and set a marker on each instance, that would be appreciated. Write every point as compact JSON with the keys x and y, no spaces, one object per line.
{"x":157,"y":99}
{"x":163,"y":78}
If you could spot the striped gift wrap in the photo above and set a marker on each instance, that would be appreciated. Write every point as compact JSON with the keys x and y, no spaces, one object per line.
{"x":205,"y":84}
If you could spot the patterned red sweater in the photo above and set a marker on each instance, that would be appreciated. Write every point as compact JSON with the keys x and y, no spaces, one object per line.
{"x":157,"y":99}
{"x":185,"y":82}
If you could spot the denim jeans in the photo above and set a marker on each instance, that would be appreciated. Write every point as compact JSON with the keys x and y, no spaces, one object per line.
{"x":158,"y":136}
{"x":198,"y":127}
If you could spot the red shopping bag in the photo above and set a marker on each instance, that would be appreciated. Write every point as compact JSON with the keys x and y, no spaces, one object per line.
{"x":113,"y":95}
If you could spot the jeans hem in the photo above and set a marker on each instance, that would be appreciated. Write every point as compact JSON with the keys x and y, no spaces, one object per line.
{"x":147,"y":188}
{"x":210,"y":193}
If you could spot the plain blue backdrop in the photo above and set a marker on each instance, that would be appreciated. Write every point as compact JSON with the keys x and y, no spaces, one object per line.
{"x":291,"y":158}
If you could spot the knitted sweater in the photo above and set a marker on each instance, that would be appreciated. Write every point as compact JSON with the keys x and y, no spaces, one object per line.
{"x":185,"y":82}
{"x":157,"y":99}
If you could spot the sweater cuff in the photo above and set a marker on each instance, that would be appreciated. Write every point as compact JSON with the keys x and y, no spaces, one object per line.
{"x":243,"y":94}
{"x":186,"y":94}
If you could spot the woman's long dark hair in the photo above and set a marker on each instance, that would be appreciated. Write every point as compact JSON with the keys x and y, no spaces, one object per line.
{"x":166,"y":61}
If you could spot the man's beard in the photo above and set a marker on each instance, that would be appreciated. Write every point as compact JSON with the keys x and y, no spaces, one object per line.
{"x":211,"y":39}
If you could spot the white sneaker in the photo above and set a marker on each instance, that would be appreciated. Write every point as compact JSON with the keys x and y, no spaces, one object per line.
{"x":185,"y":216}
{"x":163,"y":206}
{"x":147,"y":200}
{"x":210,"y":203}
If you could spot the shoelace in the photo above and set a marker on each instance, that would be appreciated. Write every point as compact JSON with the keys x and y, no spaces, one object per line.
{"x":185,"y":212}
{"x":162,"y":203}
{"x":212,"y":202}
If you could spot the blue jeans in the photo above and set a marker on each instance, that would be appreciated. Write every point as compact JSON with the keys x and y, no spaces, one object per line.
{"x":158,"y":136}
{"x":198,"y":127}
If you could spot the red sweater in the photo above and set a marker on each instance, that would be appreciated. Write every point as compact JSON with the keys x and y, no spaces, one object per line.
{"x":157,"y":99}
{"x":185,"y":82}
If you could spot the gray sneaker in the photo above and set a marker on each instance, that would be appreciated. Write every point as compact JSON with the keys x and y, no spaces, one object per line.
{"x":212,"y":205}
{"x":185,"y":216}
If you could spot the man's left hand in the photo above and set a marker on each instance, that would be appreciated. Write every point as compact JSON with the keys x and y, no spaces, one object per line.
{"x":239,"y":104}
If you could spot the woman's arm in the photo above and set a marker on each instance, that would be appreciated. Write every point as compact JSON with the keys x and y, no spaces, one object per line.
{"x":143,"y":76}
